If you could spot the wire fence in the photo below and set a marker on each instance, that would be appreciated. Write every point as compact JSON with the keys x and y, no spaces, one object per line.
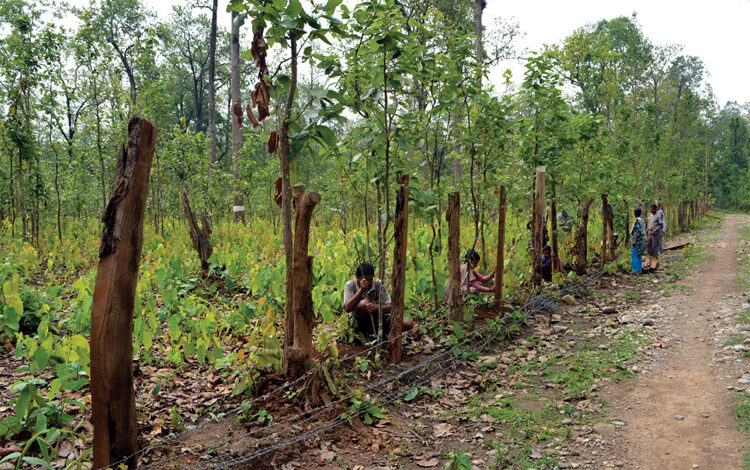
{"x":536,"y":303}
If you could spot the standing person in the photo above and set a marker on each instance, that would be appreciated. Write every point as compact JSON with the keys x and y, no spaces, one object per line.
{"x":474,"y":282}
{"x":660,"y":212}
{"x":638,"y":235}
{"x":564,"y":221}
{"x":547,"y":264}
{"x":654,"y":234}
{"x":361,"y":298}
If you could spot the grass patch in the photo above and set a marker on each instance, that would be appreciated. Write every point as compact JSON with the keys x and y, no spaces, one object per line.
{"x":529,"y":416}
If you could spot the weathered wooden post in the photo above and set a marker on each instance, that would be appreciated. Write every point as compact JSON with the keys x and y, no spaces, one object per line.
{"x":582,"y":239}
{"x":611,"y":232}
{"x":453,"y":217}
{"x":536,"y":251}
{"x":500,"y":266}
{"x":553,"y":233}
{"x":605,"y":226}
{"x":400,"y":231}
{"x":299,"y":323}
{"x":112,"y":390}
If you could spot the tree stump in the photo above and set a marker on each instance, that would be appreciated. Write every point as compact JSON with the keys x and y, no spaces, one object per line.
{"x":113,"y":411}
{"x":200,"y":236}
{"x":298,"y":344}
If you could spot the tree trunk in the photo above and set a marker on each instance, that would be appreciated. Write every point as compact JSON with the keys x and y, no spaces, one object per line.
{"x":300,"y":350}
{"x":112,"y":390}
{"x":553,"y":233}
{"x":239,"y":208}
{"x":455,"y":296}
{"x":200,"y":236}
{"x":212,"y":85}
{"x":500,"y":266}
{"x":286,"y":205}
{"x":582,"y":239}
{"x":479,"y":8}
{"x":536,"y":252}
{"x":400,"y":234}
{"x":99,"y":143}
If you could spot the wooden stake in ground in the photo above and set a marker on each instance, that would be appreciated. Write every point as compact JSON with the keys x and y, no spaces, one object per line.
{"x":453,"y":217}
{"x":605,"y":226}
{"x":300,"y":322}
{"x":500,"y":266}
{"x":112,"y":391}
{"x":536,"y":251}
{"x":553,"y":232}
{"x":400,"y":231}
{"x":582,"y":239}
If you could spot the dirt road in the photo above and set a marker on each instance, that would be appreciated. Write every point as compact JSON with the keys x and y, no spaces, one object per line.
{"x":679,"y":415}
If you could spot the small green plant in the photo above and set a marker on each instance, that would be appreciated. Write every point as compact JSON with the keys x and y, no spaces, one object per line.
{"x":366,"y":407}
{"x":458,"y":461}
{"x":246,"y":414}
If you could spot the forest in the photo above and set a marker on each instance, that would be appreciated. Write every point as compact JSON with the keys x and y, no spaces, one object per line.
{"x":378,"y":109}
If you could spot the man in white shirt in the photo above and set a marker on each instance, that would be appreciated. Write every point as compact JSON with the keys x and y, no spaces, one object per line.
{"x":663,"y":221}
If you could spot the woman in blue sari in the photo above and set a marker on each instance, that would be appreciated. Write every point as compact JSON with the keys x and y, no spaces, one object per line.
{"x":638,"y":235}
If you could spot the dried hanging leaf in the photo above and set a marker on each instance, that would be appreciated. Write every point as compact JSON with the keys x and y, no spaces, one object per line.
{"x":261,"y":98}
{"x":273,"y":141}
{"x":278,"y":192}
{"x":251,"y":116}
{"x":237,"y":110}
{"x":258,"y":51}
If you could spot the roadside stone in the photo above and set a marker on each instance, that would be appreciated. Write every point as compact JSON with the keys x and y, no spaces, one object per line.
{"x":679,"y":417}
{"x":618,"y":423}
{"x":604,"y":429}
{"x":569,"y":299}
{"x":625,"y":319}
{"x":557,"y":329}
{"x":648,"y":322}
{"x":609,"y":310}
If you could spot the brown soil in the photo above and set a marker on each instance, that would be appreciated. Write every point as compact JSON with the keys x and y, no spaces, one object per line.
{"x":685,"y":382}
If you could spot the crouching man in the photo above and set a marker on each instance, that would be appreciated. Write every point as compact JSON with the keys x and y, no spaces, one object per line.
{"x":361,"y":297}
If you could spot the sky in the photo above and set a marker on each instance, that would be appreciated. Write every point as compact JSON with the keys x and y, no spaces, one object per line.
{"x":715,"y":31}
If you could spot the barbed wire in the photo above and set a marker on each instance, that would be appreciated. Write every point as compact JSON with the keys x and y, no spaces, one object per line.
{"x":536,"y":300}
{"x":336,"y":422}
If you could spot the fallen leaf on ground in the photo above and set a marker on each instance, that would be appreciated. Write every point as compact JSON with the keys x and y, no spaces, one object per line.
{"x":443,"y":430}
{"x":9,"y":450}
{"x":428,"y":463}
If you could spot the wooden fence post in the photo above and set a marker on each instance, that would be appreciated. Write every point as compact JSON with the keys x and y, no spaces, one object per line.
{"x":112,"y":390}
{"x":500,"y":266}
{"x":300,"y":347}
{"x":536,"y":251}
{"x":400,"y":232}
{"x":455,"y":296}
{"x":605,"y":226}
{"x":553,"y":232}
{"x":582,"y":239}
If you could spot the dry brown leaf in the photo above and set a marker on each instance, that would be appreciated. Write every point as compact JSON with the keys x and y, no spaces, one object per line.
{"x":429,"y":462}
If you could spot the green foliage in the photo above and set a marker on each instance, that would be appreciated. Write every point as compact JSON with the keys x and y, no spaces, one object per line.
{"x":365,"y":407}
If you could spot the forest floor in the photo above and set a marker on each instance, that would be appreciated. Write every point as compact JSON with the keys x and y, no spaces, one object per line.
{"x":643,"y":372}
{"x":657,"y":384}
